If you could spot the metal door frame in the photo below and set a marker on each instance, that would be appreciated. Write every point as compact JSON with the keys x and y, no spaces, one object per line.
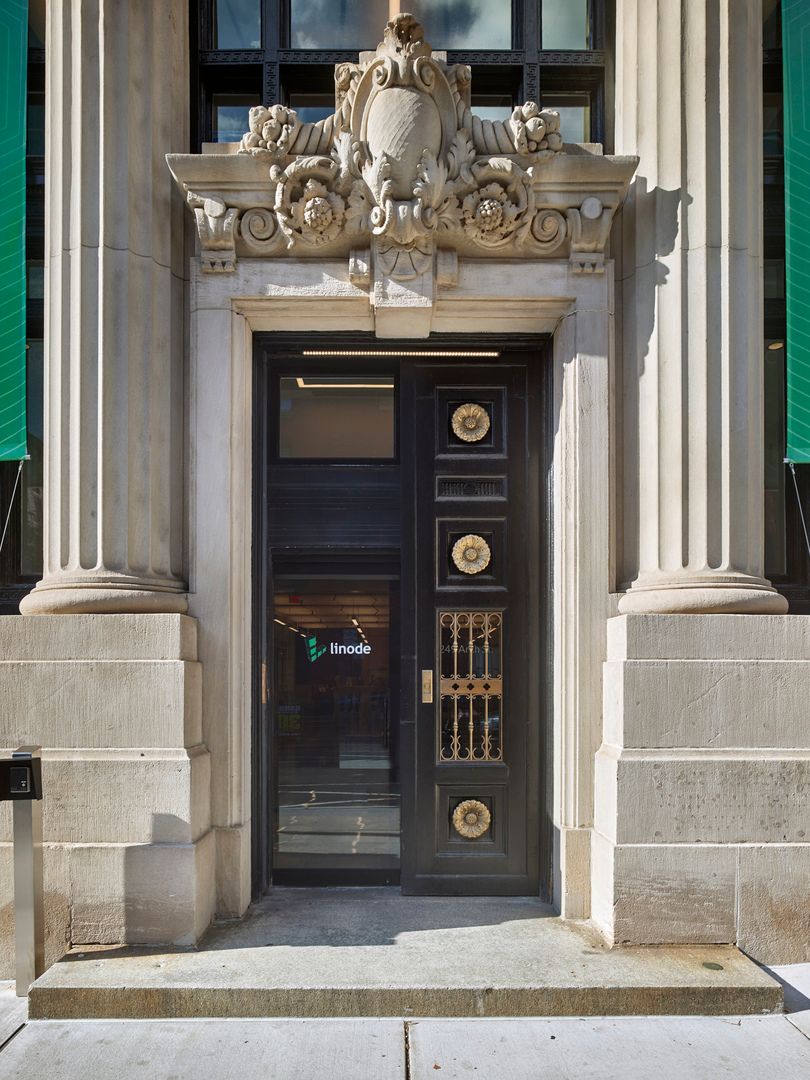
{"x":539,"y":346}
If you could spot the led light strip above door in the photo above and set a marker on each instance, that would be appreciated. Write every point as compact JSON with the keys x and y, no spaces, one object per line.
{"x":433,"y":354}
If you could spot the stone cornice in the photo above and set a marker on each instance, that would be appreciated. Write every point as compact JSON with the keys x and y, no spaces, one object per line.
{"x":403,"y":169}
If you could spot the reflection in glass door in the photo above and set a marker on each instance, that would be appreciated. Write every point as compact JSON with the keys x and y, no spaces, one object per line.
{"x":335,"y":734}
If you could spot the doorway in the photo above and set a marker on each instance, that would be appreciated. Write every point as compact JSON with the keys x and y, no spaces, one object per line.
{"x":400,"y":614}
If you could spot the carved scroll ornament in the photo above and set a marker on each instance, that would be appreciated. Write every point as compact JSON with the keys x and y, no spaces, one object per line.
{"x":402,"y":165}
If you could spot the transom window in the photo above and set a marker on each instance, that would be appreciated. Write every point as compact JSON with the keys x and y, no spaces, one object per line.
{"x":252,"y":52}
{"x":328,"y":416}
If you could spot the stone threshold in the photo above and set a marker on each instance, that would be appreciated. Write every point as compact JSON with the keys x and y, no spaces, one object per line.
{"x":374,"y":952}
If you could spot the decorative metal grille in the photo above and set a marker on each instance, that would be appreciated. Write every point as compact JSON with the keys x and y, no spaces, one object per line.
{"x":471,"y":686}
{"x":451,"y":487}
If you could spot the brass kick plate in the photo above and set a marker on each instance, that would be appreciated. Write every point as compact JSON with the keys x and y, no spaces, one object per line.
{"x":427,"y":686}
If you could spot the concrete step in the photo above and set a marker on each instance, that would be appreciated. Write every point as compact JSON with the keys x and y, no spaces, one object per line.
{"x":373,"y":952}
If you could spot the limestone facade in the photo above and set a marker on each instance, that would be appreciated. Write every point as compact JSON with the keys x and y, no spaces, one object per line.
{"x":681,"y":751}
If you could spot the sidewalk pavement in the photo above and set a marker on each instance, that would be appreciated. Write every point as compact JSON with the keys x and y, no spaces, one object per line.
{"x":624,"y":1048}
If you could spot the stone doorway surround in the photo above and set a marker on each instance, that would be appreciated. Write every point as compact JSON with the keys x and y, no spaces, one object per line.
{"x":538,"y":298}
{"x":493,"y":229}
{"x":680,"y":790}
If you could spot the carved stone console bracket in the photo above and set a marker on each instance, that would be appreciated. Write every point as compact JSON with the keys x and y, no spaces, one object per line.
{"x":589,"y":228}
{"x":216,"y":224}
{"x":403,"y":178}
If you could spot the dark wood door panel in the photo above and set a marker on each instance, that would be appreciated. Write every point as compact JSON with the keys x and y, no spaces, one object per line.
{"x":472,"y":562}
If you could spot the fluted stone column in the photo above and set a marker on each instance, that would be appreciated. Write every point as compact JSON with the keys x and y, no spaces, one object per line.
{"x":117,"y":103}
{"x":700,"y":783}
{"x":689,"y":102}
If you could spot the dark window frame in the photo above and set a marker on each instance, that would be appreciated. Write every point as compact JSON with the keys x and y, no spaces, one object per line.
{"x":271,"y":73}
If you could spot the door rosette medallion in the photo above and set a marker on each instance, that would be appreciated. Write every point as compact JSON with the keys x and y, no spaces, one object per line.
{"x":471,"y":819}
{"x":470,"y":422}
{"x":471,"y":554}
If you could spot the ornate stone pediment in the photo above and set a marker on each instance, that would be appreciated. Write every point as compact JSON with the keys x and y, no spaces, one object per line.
{"x":403,"y":170}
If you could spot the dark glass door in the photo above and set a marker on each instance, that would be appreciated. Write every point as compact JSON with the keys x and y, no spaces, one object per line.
{"x":335,"y":731}
{"x":400,"y":591}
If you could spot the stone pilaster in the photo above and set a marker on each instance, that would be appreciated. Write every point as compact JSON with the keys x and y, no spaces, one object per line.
{"x":117,"y":98}
{"x":689,"y":103}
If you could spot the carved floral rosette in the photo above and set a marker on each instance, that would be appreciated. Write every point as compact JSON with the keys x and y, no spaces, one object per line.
{"x":308,"y":209}
{"x":470,"y":422}
{"x":471,"y":819}
{"x":403,"y":166}
{"x":471,"y":554}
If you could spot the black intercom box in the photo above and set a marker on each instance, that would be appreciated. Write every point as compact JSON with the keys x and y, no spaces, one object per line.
{"x":20,"y":778}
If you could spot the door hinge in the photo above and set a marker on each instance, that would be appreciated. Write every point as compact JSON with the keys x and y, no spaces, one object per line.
{"x":264,"y":682}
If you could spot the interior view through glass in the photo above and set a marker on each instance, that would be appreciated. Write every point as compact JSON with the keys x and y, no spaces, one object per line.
{"x":336,"y":416}
{"x":337,"y":776}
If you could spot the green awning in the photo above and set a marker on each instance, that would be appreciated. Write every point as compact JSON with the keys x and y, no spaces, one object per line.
{"x":13,"y":69}
{"x":796,"y":68}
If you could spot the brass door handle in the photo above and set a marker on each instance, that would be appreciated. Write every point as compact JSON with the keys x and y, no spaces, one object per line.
{"x":427,"y":686}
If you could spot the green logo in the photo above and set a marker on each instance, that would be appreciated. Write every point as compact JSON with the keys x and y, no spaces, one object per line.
{"x":314,"y":650}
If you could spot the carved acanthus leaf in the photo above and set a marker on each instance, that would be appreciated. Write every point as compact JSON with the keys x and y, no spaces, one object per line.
{"x":359,"y":210}
{"x":431,"y":182}
{"x":377,"y":175}
{"x":347,"y":155}
{"x":460,"y":156}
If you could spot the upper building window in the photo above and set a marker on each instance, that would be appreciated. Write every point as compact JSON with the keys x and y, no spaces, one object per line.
{"x":336,"y":24}
{"x":237,"y":24}
{"x":566,"y":24}
{"x":449,"y":24}
{"x":266,"y":51}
